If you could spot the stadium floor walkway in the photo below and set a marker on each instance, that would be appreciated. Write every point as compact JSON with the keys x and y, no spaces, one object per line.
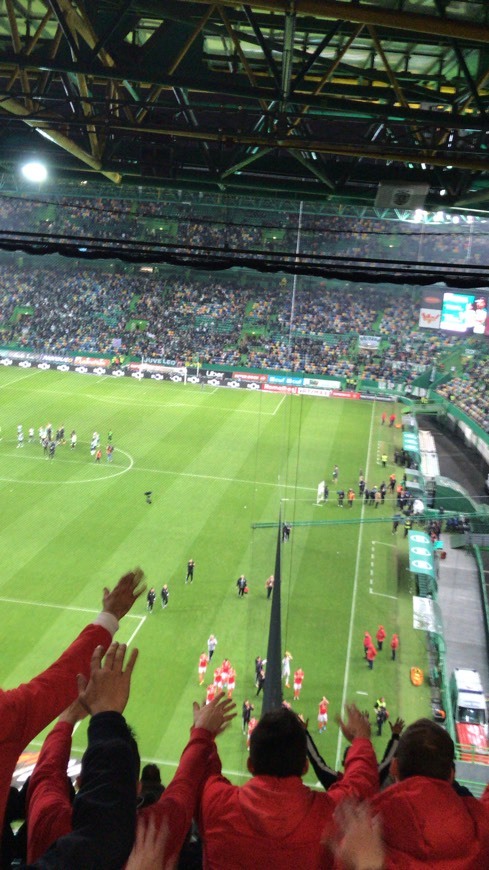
{"x":459,"y":592}
{"x":460,"y":603}
{"x":459,"y":587}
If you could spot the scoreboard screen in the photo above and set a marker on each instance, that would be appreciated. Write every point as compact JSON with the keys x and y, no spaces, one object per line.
{"x":465,"y":313}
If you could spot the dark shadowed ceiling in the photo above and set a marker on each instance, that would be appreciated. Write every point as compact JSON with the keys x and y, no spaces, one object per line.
{"x":312,"y":99}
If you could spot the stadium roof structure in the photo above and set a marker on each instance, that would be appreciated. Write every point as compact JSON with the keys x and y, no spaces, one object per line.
{"x":323,"y":100}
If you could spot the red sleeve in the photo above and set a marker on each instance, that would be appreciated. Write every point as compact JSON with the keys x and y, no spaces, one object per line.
{"x":48,"y":798}
{"x":361,"y":778}
{"x":29,"y":708}
{"x":25,"y":711}
{"x":178,"y":803}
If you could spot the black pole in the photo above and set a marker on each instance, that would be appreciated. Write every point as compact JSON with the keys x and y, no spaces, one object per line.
{"x":272,"y":693}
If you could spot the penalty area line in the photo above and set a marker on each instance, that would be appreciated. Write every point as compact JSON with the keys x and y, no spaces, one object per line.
{"x":383,"y":595}
{"x":5,"y":600}
{"x":142,"y":620}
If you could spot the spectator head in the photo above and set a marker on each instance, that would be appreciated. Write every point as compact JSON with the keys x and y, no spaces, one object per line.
{"x":278,"y":745}
{"x":150,"y":787}
{"x":150,"y":775}
{"x":425,"y":749}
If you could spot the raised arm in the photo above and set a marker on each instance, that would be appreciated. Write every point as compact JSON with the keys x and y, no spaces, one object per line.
{"x":28,"y":709}
{"x":104,"y":811}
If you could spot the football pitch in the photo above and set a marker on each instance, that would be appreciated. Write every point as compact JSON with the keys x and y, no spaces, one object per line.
{"x":217,"y":462}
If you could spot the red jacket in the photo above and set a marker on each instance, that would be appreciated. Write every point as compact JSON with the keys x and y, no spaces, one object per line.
{"x":381,"y":634}
{"x":178,"y":803}
{"x":50,"y":810}
{"x":277,"y":823}
{"x":26,"y":710}
{"x":48,"y":798}
{"x":426,"y":824}
{"x":371,"y":653}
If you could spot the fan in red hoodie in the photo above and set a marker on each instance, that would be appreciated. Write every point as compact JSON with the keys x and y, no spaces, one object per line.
{"x":425,"y":821}
{"x":274,"y":820}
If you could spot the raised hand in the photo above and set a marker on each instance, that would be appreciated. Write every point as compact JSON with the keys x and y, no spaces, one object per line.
{"x":109,"y":684}
{"x":357,"y":840}
{"x":357,"y":724}
{"x":124,"y":594}
{"x":216,"y":716}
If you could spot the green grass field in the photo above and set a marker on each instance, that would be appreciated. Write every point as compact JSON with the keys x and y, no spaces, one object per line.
{"x":217,"y":462}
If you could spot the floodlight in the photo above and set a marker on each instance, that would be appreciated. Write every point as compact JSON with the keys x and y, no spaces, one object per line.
{"x":34,"y":171}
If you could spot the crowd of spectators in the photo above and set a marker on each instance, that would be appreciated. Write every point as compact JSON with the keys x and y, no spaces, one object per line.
{"x":196,"y":223}
{"x":416,"y":815}
{"x":310,"y":325}
{"x":469,"y":390}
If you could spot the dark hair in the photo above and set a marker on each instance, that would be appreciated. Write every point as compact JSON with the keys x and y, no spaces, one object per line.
{"x":151,"y":774}
{"x":425,"y":749}
{"x":278,"y":745}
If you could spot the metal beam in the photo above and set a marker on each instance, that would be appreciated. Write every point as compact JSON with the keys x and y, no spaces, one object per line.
{"x":311,"y":59}
{"x":329,"y":10}
{"x":272,"y":66}
{"x":173,"y":66}
{"x":463,"y":65}
{"x":13,"y":107}
{"x":309,"y":165}
{"x":231,"y":170}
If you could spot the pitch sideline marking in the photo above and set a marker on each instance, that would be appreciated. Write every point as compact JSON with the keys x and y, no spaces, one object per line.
{"x":372,"y":571}
{"x":354,"y":595}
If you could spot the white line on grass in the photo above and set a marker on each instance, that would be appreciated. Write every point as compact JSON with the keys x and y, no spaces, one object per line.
{"x":372,"y":571}
{"x":14,"y":383}
{"x":282,"y":400}
{"x":223,"y":479}
{"x":60,"y":607}
{"x":354,"y":596}
{"x":142,"y":620}
{"x":130,"y":402}
{"x":143,"y":469}
{"x":383,"y":544}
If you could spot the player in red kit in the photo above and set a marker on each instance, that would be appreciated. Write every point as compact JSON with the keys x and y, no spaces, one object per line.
{"x":202,"y":668}
{"x":231,"y":682}
{"x":218,"y":679}
{"x":298,"y":678}
{"x":323,"y":713}
{"x":225,"y":668}
{"x":211,"y":693}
